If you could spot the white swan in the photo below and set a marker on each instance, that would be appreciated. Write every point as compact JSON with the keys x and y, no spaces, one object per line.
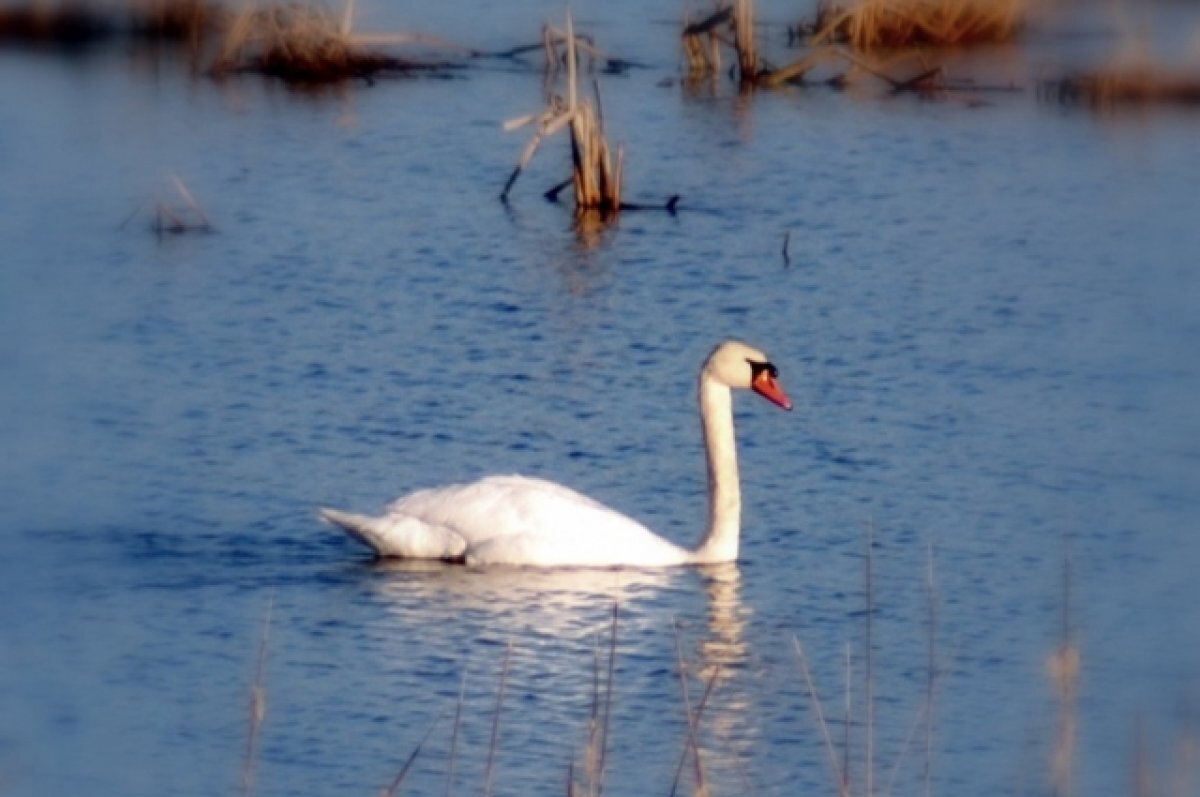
{"x":522,"y":521}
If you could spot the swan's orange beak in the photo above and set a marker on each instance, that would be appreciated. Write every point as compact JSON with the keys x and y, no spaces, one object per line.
{"x":765,"y":385}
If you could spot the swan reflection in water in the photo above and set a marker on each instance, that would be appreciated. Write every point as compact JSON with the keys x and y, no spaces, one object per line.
{"x":558,"y":623}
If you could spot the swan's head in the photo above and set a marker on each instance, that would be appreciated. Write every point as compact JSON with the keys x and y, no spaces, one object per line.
{"x":735,"y":364}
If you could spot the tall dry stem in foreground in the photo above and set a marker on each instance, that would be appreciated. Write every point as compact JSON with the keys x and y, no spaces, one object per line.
{"x":490,"y":769}
{"x":1063,"y":669}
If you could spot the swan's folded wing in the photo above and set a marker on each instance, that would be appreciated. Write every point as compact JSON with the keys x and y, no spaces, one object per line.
{"x":400,"y":535}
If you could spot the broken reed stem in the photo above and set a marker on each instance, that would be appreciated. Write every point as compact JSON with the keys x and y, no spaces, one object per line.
{"x":572,"y":67}
{"x":608,"y":690}
{"x":908,"y":738}
{"x":1063,"y":667}
{"x":462,"y":694}
{"x":190,"y":200}
{"x":744,"y":42}
{"x":849,"y":719}
{"x":692,"y":743}
{"x":843,"y":782}
{"x":390,"y":791}
{"x":868,"y":675}
{"x":489,"y":771}
{"x":258,"y":703}
{"x":597,"y":183}
{"x":931,"y":681}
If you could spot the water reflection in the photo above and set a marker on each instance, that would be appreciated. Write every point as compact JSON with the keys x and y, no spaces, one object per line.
{"x":512,"y":602}
{"x":730,"y":730}
{"x":724,"y":646}
{"x":591,"y":225}
{"x":564,"y":617}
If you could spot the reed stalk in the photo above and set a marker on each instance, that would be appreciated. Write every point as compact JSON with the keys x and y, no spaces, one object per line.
{"x":596,"y":175}
{"x":702,"y":40}
{"x":302,"y":43}
{"x":839,"y":774}
{"x":1063,"y":667}
{"x":744,"y":41}
{"x":258,"y":704}
{"x":692,"y":742}
{"x":462,"y":694}
{"x":394,"y":786}
{"x":493,"y":745}
{"x":868,"y":673}
{"x":874,"y":24}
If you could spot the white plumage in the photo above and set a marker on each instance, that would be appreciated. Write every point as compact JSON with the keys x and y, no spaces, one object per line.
{"x":516,"y":520}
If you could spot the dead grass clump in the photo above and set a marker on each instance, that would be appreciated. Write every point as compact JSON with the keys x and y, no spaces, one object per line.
{"x":1139,"y":85}
{"x":65,"y":24}
{"x":176,"y":20}
{"x":297,"y":43}
{"x":873,"y":24}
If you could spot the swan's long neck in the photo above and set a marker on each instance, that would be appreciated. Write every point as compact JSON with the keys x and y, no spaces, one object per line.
{"x":720,"y":543}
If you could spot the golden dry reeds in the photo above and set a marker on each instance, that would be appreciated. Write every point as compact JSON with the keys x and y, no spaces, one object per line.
{"x":874,"y":24}
{"x":596,"y":174}
{"x":297,"y":43}
{"x":702,"y":42}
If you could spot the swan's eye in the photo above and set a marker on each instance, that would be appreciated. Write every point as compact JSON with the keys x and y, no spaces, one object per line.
{"x":757,"y":369}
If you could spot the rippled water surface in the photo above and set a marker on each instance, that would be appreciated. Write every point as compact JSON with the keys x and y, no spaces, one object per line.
{"x":988,"y":322}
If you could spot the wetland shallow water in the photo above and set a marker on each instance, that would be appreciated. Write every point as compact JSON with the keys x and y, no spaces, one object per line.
{"x":988,"y":324}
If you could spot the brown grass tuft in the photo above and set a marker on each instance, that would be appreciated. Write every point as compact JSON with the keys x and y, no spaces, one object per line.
{"x":1135,"y":85}
{"x":874,"y":24}
{"x":297,"y":43}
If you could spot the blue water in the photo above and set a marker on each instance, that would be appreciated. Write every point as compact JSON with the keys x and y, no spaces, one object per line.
{"x":988,"y":323}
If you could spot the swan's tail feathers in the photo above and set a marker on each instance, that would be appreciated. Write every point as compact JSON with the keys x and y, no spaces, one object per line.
{"x":367,"y":530}
{"x":397,"y":535}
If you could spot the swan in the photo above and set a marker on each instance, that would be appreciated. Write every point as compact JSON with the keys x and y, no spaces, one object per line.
{"x":517,"y":520}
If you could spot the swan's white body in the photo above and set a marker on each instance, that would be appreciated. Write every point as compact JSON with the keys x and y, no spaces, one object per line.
{"x":517,"y":520}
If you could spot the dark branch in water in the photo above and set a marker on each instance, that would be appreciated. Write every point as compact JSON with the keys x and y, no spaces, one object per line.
{"x":710,"y":22}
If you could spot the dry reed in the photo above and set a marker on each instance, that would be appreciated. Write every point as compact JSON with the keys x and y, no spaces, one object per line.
{"x":873,"y":24}
{"x":702,"y":42}
{"x":298,"y":43}
{"x":179,"y":219}
{"x":1063,"y":667}
{"x":489,"y":772}
{"x":1126,"y":86}
{"x":258,"y":704}
{"x":596,"y":174}
{"x":394,"y":786}
{"x":595,"y":756}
